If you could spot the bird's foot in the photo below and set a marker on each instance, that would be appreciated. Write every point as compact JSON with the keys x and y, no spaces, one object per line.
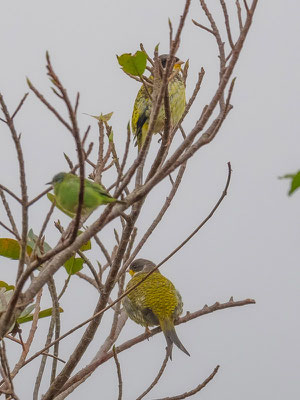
{"x":147,"y":332}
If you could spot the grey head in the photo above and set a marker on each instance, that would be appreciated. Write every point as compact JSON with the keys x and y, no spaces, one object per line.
{"x":58,"y":178}
{"x":142,"y":265}
{"x":164,"y":58}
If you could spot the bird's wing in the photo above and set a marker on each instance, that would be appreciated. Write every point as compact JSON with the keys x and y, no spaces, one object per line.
{"x":97,"y":187}
{"x":140,"y":123}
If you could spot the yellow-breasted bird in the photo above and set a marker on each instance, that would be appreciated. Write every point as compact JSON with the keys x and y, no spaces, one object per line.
{"x":66,"y":189}
{"x":143,"y":104}
{"x":154,"y":302}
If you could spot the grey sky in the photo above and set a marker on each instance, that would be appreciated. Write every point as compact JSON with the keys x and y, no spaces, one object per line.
{"x":249,"y":248}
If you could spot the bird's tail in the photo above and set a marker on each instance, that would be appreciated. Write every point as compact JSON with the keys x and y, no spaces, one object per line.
{"x":168,"y":329}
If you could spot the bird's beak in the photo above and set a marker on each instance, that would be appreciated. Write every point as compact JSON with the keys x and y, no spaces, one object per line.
{"x":48,"y":183}
{"x":178,"y":64}
{"x":131,"y":272}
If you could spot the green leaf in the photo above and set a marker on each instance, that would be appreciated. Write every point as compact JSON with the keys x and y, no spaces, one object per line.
{"x":6,"y":286}
{"x":133,"y":64}
{"x":42,"y":314}
{"x":10,"y":248}
{"x":73,"y":265}
{"x":111,"y":136}
{"x":31,"y":241}
{"x":51,"y":197}
{"x":86,"y":246}
{"x":101,"y":117}
{"x":295,"y":181}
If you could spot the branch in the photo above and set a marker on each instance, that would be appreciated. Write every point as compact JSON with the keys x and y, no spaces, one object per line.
{"x":157,"y":378}
{"x":196,"y":390}
{"x":145,"y":336}
{"x":22,"y":177}
{"x":119,"y":373}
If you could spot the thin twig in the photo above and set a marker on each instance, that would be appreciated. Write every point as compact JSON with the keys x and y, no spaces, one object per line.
{"x":20,"y":105}
{"x":203,"y":27}
{"x":157,"y":378}
{"x":227,"y":23}
{"x":120,"y":382}
{"x":10,"y":193}
{"x":194,"y":391}
{"x":16,"y":139}
{"x":239,"y":13}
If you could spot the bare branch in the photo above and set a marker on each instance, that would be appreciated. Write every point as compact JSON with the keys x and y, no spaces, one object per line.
{"x":227,"y":23}
{"x":23,"y":185}
{"x":119,"y":373}
{"x":239,"y":13}
{"x":194,"y":391}
{"x":157,"y":378}
{"x":145,"y":336}
{"x":10,"y":216}
{"x":20,"y":105}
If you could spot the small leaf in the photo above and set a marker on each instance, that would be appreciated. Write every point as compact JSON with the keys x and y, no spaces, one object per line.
{"x":27,"y":310}
{"x":295,"y":181}
{"x":101,"y":117}
{"x":106,"y":117}
{"x":111,"y":136}
{"x":51,"y":197}
{"x":6,"y":286}
{"x":31,"y":241}
{"x":10,"y":248}
{"x":86,"y":246}
{"x":133,"y":64}
{"x":73,"y":265}
{"x":42,"y":314}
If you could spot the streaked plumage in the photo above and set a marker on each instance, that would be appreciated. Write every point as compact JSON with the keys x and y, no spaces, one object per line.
{"x":66,"y":189}
{"x":154,"y":302}
{"x":142,"y":105}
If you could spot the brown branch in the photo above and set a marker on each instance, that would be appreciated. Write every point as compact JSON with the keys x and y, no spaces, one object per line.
{"x":239,"y":14}
{"x":22,"y":177}
{"x":92,"y":269}
{"x":227,"y":23}
{"x":103,"y":249}
{"x":125,"y":156}
{"x":194,"y":391}
{"x":145,"y":336}
{"x":157,"y":378}
{"x":48,"y":105}
{"x":10,"y":193}
{"x":120,"y":385}
{"x":10,"y":216}
{"x":20,"y":105}
{"x":246,"y":6}
{"x":35,"y":199}
{"x":203,"y":27}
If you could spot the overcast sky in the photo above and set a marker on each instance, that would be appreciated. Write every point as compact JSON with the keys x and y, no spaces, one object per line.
{"x":251,"y":246}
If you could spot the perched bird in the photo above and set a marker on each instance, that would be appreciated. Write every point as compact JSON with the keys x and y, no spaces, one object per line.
{"x":143,"y":104}
{"x":66,"y":189}
{"x":154,"y":302}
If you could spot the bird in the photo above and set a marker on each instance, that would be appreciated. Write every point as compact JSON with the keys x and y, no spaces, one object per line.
{"x":154,"y":302}
{"x":66,"y":190}
{"x":143,"y":104}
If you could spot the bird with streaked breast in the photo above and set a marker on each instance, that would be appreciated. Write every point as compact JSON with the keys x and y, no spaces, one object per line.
{"x":143,"y":104}
{"x":154,"y":302}
{"x":66,"y":189}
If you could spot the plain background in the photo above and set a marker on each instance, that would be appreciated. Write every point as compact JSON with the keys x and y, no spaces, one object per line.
{"x":250,"y":247}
